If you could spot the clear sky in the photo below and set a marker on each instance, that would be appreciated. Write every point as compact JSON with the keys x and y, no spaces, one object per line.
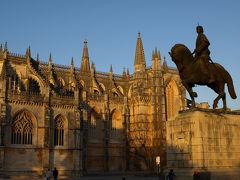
{"x":111,"y":27}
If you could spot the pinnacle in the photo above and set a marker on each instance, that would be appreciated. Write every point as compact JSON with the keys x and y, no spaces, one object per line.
{"x":139,"y":55}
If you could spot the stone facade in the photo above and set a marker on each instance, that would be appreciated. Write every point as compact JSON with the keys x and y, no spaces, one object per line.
{"x":206,"y":141}
{"x":80,"y":120}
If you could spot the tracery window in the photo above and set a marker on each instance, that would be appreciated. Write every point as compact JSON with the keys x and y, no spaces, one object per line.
{"x":59,"y":131}
{"x":22,"y":129}
{"x":116,"y":122}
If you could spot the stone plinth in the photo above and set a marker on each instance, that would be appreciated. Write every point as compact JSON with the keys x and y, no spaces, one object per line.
{"x":204,"y":140}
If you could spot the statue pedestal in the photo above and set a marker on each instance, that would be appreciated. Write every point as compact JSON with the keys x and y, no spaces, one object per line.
{"x":204,"y":140}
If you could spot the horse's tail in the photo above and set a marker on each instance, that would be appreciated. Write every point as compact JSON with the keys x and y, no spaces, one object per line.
{"x":230,"y":86}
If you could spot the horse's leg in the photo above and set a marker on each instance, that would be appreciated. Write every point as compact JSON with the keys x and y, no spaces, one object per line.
{"x":224,"y":102}
{"x":221,"y":94}
{"x":191,"y":93}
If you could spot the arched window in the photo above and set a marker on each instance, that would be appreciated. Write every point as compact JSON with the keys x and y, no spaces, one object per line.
{"x":22,"y":129}
{"x":93,"y":120}
{"x":116,"y":122}
{"x":59,"y":131}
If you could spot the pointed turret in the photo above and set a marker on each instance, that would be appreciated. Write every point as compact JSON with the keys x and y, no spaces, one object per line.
{"x":6,"y":47}
{"x":156,"y":60}
{"x":37,"y":58}
{"x":1,"y":51}
{"x":5,"y":52}
{"x":139,"y":62}
{"x":28,"y":54}
{"x":85,"y":67}
{"x":50,"y":62}
{"x":128,"y":74}
{"x":124,"y":75}
{"x":111,"y":72}
{"x":165,"y":66}
{"x":72,"y":66}
{"x":93,"y":68}
{"x":111,"y":69}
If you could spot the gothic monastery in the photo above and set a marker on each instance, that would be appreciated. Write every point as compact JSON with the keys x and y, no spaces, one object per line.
{"x":83,"y":121}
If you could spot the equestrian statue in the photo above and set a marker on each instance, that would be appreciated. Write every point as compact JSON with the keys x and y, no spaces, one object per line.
{"x":200,"y":70}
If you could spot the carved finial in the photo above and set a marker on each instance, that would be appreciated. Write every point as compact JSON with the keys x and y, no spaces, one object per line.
{"x":124,"y":72}
{"x":5,"y":52}
{"x":28,"y":52}
{"x":50,"y":58}
{"x":37,"y":57}
{"x":165,"y":66}
{"x":72,"y":62}
{"x":128,"y":72}
{"x":139,"y":34}
{"x":6,"y":46}
{"x":111,"y":69}
{"x":50,"y":62}
{"x":93,"y":65}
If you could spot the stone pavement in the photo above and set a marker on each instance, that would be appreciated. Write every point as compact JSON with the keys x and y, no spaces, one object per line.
{"x":128,"y":177}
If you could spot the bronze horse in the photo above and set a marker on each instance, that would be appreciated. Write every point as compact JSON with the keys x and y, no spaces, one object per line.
{"x":191,"y":73}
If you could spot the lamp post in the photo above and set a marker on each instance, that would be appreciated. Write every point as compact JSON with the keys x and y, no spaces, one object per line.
{"x":158,"y":161}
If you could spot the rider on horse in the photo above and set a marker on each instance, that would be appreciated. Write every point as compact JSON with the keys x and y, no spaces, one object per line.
{"x":202,"y":52}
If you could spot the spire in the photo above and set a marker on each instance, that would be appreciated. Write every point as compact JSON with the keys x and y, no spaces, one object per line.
{"x":28,"y":54}
{"x":50,"y":62}
{"x":72,"y":62}
{"x":111,"y":69}
{"x":165,"y":66}
{"x":5,"y":46}
{"x":139,"y":61}
{"x":128,"y":72}
{"x":37,"y":57}
{"x":85,"y":58}
{"x":93,"y":68}
{"x":72,"y":66}
{"x":5,"y":52}
{"x":156,"y":59}
{"x":1,"y":50}
{"x":124,"y":72}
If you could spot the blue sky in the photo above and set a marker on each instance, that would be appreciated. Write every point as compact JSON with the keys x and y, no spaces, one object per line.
{"x":111,"y":27}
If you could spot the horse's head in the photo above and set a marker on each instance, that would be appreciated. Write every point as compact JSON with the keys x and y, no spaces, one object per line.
{"x":181,"y":56}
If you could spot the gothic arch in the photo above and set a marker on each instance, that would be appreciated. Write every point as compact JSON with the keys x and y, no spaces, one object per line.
{"x":114,"y":92}
{"x":61,"y":82}
{"x":96,"y":91}
{"x":173,"y":99}
{"x":116,"y":120}
{"x":60,"y":130}
{"x":94,"y":117}
{"x":24,"y":128}
{"x":35,"y":79}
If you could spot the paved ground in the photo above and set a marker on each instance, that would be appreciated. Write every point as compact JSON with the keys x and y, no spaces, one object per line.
{"x":128,"y":177}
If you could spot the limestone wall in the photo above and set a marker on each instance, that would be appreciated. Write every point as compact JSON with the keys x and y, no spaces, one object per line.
{"x":204,"y":140}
